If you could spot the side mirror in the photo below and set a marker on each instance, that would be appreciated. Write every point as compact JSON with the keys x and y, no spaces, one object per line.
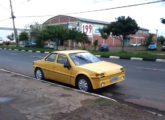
{"x":67,"y":65}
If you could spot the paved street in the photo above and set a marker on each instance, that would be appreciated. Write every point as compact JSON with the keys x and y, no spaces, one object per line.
{"x":144,"y":84}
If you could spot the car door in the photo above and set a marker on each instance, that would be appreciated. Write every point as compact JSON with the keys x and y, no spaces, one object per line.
{"x":50,"y":66}
{"x":63,"y":73}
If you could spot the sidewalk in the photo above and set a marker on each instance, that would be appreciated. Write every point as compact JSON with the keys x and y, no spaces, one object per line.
{"x":28,"y":99}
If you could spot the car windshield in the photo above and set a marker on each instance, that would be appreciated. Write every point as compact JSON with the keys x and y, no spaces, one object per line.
{"x":104,"y":45}
{"x":83,"y":58}
{"x":152,"y":43}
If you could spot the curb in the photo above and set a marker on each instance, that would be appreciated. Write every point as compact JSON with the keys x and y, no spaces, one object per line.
{"x":38,"y":51}
{"x":111,"y":57}
{"x":160,"y":60}
{"x":98,"y":55}
{"x":134,"y":58}
{"x":26,"y":50}
{"x":114,"y":57}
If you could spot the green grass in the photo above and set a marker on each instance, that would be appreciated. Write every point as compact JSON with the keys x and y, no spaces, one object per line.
{"x":127,"y":54}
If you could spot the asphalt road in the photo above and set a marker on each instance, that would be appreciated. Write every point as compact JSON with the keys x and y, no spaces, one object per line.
{"x":144,"y":84}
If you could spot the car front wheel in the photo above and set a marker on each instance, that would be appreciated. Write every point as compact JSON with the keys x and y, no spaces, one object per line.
{"x":84,"y":84}
{"x":39,"y":74}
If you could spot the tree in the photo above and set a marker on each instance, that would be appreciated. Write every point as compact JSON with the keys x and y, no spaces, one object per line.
{"x":35,"y":31}
{"x":95,"y":44}
{"x":161,"y":39}
{"x":62,"y":33}
{"x":162,"y":20}
{"x":24,"y":36}
{"x":11,"y":37}
{"x":72,"y":35}
{"x":149,"y":39}
{"x":83,"y":38}
{"x":104,"y":32}
{"x":58,"y":33}
{"x":55,"y":33}
{"x":122,"y":27}
{"x":78,"y":36}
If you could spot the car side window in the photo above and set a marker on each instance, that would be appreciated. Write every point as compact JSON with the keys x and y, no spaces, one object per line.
{"x":51,"y":57}
{"x":62,"y":59}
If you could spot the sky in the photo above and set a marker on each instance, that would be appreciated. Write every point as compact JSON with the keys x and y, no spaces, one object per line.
{"x":147,"y":16}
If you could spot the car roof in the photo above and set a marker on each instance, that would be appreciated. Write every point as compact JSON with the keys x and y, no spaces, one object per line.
{"x":70,"y":51}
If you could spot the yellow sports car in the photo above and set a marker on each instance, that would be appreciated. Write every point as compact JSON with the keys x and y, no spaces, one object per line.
{"x":78,"y":68}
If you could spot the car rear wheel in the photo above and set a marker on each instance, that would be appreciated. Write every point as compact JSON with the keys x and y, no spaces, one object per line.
{"x":39,"y":74}
{"x":84,"y":84}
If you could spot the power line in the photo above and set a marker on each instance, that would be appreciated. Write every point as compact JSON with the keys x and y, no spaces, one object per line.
{"x":112,"y":8}
{"x":34,"y":16}
{"x":126,"y":6}
{"x":4,"y":19}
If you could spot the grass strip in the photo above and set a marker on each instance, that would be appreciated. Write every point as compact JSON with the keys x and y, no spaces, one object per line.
{"x":152,"y":55}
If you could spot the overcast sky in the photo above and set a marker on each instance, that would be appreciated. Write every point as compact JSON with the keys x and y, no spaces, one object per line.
{"x":147,"y":16}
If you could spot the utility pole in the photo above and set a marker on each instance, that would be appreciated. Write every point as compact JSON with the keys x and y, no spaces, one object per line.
{"x":156,"y":36}
{"x":13,"y":17}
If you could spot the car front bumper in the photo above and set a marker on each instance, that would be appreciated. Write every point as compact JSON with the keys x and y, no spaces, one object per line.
{"x":107,"y":80}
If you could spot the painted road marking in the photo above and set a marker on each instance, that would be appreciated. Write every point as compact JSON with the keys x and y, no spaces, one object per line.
{"x":160,"y":60}
{"x":114,"y":57}
{"x":98,"y":55}
{"x":153,"y":69}
{"x":136,"y":58}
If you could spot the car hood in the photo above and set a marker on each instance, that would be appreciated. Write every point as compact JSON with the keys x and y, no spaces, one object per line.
{"x":102,"y":67}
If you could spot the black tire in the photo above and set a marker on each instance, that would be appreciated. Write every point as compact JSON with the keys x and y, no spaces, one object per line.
{"x":114,"y":85}
{"x":84,"y":84}
{"x":39,"y":74}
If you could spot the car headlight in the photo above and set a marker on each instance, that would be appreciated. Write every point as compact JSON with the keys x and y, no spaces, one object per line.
{"x":123,"y":78}
{"x":102,"y":84}
{"x":100,"y":75}
{"x":122,"y":69}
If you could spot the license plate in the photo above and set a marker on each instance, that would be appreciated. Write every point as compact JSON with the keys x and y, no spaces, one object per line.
{"x":113,"y":79}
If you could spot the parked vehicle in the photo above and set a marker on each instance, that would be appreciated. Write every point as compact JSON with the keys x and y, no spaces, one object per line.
{"x":30,"y":44}
{"x":78,"y":68}
{"x":50,"y":45}
{"x":163,"y":46}
{"x":104,"y":47}
{"x":152,"y":46}
{"x":135,"y":44}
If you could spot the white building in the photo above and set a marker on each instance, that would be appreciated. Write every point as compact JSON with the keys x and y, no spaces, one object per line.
{"x":4,"y":32}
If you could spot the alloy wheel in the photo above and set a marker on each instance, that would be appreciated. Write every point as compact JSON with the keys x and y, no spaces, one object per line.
{"x":83,"y":85}
{"x":39,"y":74}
